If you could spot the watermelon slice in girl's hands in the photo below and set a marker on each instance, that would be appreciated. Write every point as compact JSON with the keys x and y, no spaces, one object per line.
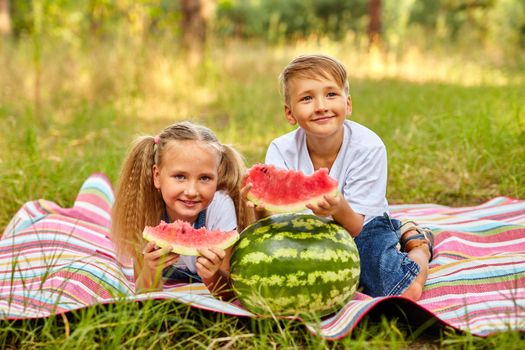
{"x":185,"y":240}
{"x":283,"y":191}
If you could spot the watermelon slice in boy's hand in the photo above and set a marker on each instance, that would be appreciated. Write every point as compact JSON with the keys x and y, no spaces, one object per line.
{"x":283,"y":191}
{"x":185,"y":240}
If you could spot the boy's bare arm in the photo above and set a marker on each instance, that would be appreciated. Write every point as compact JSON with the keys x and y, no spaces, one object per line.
{"x":341,"y":212}
{"x":349,"y":219}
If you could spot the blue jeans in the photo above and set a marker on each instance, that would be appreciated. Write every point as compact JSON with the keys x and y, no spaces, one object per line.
{"x":384,"y":269}
{"x":180,"y":274}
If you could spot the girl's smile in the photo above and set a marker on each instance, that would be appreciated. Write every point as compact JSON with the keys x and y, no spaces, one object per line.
{"x":190,"y":204}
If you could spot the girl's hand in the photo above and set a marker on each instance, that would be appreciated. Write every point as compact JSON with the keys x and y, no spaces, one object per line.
{"x":213,"y":267}
{"x":156,"y":258}
{"x":328,"y":206}
{"x":209,"y":262}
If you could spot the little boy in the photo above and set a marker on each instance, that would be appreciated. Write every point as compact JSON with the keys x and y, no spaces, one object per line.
{"x":316,"y":97}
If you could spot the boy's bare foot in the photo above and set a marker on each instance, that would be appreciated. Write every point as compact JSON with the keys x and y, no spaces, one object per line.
{"x":413,"y":236}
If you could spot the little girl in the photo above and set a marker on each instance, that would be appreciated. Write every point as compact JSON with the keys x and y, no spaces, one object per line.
{"x":184,"y":173}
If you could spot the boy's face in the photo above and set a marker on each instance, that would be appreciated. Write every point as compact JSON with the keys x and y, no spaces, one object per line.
{"x":318,"y":105}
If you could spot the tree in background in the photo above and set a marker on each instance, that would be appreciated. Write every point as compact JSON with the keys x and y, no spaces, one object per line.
{"x":5,"y":17}
{"x":374,"y":24}
{"x":194,"y":26}
{"x":278,"y":21}
{"x":497,"y":26}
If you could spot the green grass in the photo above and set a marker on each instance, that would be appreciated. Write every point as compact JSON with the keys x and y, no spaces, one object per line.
{"x":168,"y":324}
{"x":454,"y":130}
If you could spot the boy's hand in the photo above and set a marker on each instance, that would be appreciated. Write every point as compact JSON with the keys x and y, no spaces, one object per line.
{"x":328,"y":206}
{"x":260,"y":212}
{"x":209,"y":262}
{"x":156,"y":258}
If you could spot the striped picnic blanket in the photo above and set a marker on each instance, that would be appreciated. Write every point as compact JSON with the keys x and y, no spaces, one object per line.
{"x":54,"y":260}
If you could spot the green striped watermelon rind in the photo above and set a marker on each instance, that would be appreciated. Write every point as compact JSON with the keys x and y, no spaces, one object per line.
{"x":149,"y":235}
{"x":289,"y":208}
{"x":268,"y":279}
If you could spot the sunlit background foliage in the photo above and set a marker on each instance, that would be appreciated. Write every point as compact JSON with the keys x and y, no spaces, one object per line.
{"x":441,"y":81}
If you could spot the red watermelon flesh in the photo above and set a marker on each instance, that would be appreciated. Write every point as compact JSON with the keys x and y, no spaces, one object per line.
{"x":185,"y":240}
{"x":288,"y":190}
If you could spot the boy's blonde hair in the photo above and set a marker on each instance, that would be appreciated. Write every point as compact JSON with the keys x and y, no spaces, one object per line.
{"x":138,"y":203}
{"x":313,"y":66}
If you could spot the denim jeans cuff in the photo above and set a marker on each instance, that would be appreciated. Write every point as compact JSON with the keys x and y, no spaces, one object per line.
{"x":412,"y":270}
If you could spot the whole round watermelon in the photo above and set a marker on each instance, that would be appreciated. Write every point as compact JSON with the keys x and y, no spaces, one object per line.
{"x":294,"y":264}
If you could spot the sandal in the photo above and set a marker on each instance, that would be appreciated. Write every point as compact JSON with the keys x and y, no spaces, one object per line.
{"x":423,"y":236}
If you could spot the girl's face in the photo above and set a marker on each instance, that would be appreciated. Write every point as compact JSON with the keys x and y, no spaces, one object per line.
{"x":187,"y":178}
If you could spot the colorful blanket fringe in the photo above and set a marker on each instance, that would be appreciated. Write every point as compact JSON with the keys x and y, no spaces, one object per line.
{"x":54,"y":260}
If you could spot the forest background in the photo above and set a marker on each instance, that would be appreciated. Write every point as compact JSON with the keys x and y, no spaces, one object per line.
{"x":442,"y":82}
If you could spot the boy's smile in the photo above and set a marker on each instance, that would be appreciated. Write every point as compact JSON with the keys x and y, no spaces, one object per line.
{"x":318,"y":105}
{"x":322,"y":120}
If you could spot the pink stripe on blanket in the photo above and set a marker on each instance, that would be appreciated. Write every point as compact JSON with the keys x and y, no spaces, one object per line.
{"x":83,"y":211}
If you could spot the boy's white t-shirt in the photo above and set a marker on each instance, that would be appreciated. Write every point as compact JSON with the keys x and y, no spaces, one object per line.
{"x":360,"y":167}
{"x":220,"y":215}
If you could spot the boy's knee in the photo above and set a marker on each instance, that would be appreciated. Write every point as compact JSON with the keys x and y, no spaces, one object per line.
{"x":413,"y":291}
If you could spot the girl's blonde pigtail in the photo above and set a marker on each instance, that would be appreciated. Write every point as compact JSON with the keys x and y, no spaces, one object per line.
{"x":137,"y":202}
{"x":231,"y":175}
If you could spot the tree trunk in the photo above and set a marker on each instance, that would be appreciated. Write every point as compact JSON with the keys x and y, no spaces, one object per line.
{"x":195,"y":17}
{"x":95,"y":20}
{"x":374,"y":26}
{"x":5,"y":18}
